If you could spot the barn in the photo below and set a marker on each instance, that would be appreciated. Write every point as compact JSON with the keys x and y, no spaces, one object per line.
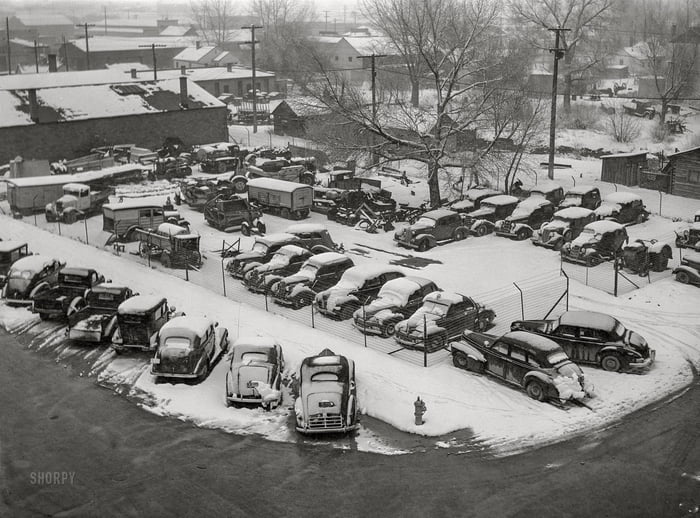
{"x":623,"y":168}
{"x":683,"y":169}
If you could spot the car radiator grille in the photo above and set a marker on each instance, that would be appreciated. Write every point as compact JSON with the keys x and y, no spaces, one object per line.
{"x":281,"y":290}
{"x":468,"y":221}
{"x":328,"y":421}
{"x":507,"y":226}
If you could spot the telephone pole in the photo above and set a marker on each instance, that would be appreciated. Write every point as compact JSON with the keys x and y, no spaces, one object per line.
{"x":155,"y":63}
{"x":373,"y":77}
{"x":558,"y":54}
{"x":252,"y":59}
{"x":7,"y":33}
{"x":87,"y":42}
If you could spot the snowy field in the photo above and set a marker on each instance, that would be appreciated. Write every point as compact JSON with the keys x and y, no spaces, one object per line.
{"x":499,"y":416}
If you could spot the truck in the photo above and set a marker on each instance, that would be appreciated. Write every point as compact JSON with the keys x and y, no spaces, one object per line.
{"x":67,"y":296}
{"x":227,"y":212}
{"x":78,"y":201}
{"x":289,"y":200}
{"x":96,"y":321}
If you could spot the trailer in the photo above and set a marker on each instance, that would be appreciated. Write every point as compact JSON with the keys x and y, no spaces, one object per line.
{"x":174,"y":246}
{"x":290,"y":200}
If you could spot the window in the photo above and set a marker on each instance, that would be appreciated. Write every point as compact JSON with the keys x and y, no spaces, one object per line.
{"x":350,"y":59}
{"x":694,"y":176}
{"x":592,"y":334}
{"x":336,"y":58}
{"x":227,"y":89}
{"x":501,"y":348}
{"x":144,"y":213}
{"x":568,"y":331}
{"x":517,"y":354}
{"x":531,"y":361}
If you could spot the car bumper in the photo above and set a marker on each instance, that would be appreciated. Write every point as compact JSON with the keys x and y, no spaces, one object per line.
{"x":84,"y":336}
{"x":644,"y":363}
{"x":254,"y":287}
{"x":316,"y":431}
{"x":410,"y":341}
{"x":240,"y":398}
{"x":54,"y":312}
{"x":505,"y":234}
{"x":366,"y":326}
{"x":545,"y":244}
{"x":406,"y":244}
{"x":283,"y":301}
{"x":138,"y":347}
{"x":165,"y":374}
{"x":20,"y":302}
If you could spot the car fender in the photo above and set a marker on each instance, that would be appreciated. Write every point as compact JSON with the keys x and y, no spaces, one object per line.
{"x":612,"y":348}
{"x":110,"y":327}
{"x":302,"y":289}
{"x":520,"y":226}
{"x":499,"y":224}
{"x":481,"y":223}
{"x":352,"y":411}
{"x":469,"y":350}
{"x":200,"y":364}
{"x":540,"y":376}
{"x":694,"y":274}
{"x":340,"y":300}
{"x":386,"y":315}
{"x":38,"y":289}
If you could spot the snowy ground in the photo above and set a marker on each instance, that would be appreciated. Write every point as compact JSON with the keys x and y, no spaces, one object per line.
{"x":499,"y":416}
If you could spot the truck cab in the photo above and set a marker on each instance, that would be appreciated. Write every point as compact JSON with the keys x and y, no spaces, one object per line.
{"x":77,"y":202}
{"x":68,"y":295}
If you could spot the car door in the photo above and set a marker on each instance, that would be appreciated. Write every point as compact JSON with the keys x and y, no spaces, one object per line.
{"x":567,"y":337}
{"x":460,"y":316}
{"x":590,"y":342}
{"x":517,"y":367}
{"x":497,"y":359}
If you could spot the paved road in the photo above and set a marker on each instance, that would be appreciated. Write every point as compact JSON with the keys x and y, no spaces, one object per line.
{"x":127,"y":462}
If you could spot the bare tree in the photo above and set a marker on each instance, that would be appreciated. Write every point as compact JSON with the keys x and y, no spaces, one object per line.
{"x":213,"y":17}
{"x":582,"y":43}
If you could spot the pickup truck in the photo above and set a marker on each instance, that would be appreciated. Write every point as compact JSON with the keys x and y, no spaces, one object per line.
{"x":67,"y":296}
{"x":97,"y":320}
{"x":78,"y":201}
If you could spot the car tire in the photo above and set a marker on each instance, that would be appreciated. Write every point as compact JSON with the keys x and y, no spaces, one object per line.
{"x":423,"y":245}
{"x":460,"y":360}
{"x":389,"y":330}
{"x":592,"y":261}
{"x":522,"y":234}
{"x":245,"y":230}
{"x":611,"y":363}
{"x":558,"y":245}
{"x":482,"y":231}
{"x":44,"y":316}
{"x":536,"y":390}
{"x":683,"y":277}
{"x":285,"y":213}
{"x":240,"y":186}
{"x":460,"y":235}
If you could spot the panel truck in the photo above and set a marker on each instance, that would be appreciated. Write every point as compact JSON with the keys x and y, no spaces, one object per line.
{"x":290,"y":200}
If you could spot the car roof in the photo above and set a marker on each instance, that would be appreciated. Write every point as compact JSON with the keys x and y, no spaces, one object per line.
{"x":573,"y":213}
{"x":140,"y":304}
{"x":279,"y":237}
{"x":621,"y":197}
{"x":186,"y":326}
{"x":604,"y":225}
{"x":72,"y":270}
{"x":444,"y":296}
{"x":531,"y":342}
{"x":305,"y":227}
{"x":438,"y":213}
{"x":9,"y":246}
{"x":545,"y":188}
{"x":34,"y":262}
{"x":590,"y":319}
{"x":327,"y":258}
{"x":501,"y":199}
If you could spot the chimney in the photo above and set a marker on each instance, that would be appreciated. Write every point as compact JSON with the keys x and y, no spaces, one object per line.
{"x":33,"y":105}
{"x":183,"y":70}
{"x":133,"y":73}
{"x":197,"y":44}
{"x":229,"y":67}
{"x":52,"y":63}
{"x":183,"y":91}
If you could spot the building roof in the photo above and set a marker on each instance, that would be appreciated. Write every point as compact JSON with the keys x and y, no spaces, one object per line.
{"x":136,"y":21}
{"x":691,"y":150}
{"x":31,"y":20}
{"x":99,"y":101}
{"x":22,"y":43}
{"x":116,"y":43}
{"x":626,"y":155}
{"x":175,"y":30}
{"x":642,"y":51}
{"x":194,"y":54}
{"x":368,"y":45}
{"x":303,"y":106}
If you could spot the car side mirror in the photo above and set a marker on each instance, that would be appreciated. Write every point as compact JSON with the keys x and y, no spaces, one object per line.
{"x":172,"y":309}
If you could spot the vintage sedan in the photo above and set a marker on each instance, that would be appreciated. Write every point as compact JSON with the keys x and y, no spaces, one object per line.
{"x":594,"y":338}
{"x":327,"y":396}
{"x":565,"y":226}
{"x":188,"y":348}
{"x":255,"y":372}
{"x":599,"y":241}
{"x":535,"y":363}
{"x":623,"y":207}
{"x":443,"y":316}
{"x":483,"y":220}
{"x":263,"y":249}
{"x":585,"y":196}
{"x":358,"y":286}
{"x":397,"y":300}
{"x":10,"y":251}
{"x":550,"y":191}
{"x":139,"y":319}
{"x":97,"y":320}
{"x":688,"y":272}
{"x":432,"y":228}
{"x":471,"y":200}
{"x":528,"y":216}
{"x":286,"y":261}
{"x":29,"y":276}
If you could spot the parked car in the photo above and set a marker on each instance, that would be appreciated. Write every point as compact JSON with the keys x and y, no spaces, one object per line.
{"x":432,"y":228}
{"x":285,"y":261}
{"x":623,"y":207}
{"x":471,"y":200}
{"x":229,"y":212}
{"x":327,"y":398}
{"x":314,"y":237}
{"x":534,"y":363}
{"x":67,"y":295}
{"x":255,"y":373}
{"x":262,"y":251}
{"x":316,"y":274}
{"x":690,"y":237}
{"x":528,"y":216}
{"x":688,"y":272}
{"x":139,"y":319}
{"x":11,"y":251}
{"x":397,"y":300}
{"x":566,"y":225}
{"x":122,"y":219}
{"x":593,"y":338}
{"x":188,"y":347}
{"x":97,"y":320}
{"x":585,"y":196}
{"x":550,"y":191}
{"x":641,"y":255}
{"x":358,"y":286}
{"x":443,"y":316}
{"x":643,"y":109}
{"x":219,"y":165}
{"x":28,"y":276}
{"x":483,"y":221}
{"x":599,"y":241}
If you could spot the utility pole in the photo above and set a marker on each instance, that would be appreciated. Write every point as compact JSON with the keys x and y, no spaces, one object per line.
{"x":7,"y":33}
{"x":252,"y":60}
{"x":155,"y":63}
{"x":104,"y":7}
{"x":373,"y":77}
{"x":36,"y":56}
{"x":87,"y":42}
{"x":558,"y":54}
{"x":326,"y":13}
{"x":65,"y":52}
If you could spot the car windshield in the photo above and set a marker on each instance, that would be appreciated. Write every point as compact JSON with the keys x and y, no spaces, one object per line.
{"x":575,"y":197}
{"x":556,"y":357}
{"x":259,"y":246}
{"x":425,"y":222}
{"x":436,"y":308}
{"x":521,"y":212}
{"x":253,"y":357}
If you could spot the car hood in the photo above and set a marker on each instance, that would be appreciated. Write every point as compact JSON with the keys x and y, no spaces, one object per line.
{"x":583,"y":239}
{"x":556,"y":225}
{"x":482,"y":212}
{"x":378,"y":305}
{"x":297,"y":278}
{"x":247,"y":256}
{"x":93,"y":322}
{"x":607,"y":209}
{"x":569,"y":202}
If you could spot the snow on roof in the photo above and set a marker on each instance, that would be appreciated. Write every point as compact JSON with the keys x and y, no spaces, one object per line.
{"x":356,"y":275}
{"x":475,"y":193}
{"x":185,"y":326}
{"x":108,"y":287}
{"x":326,"y":258}
{"x":580,"y":189}
{"x":102,"y":101}
{"x":22,"y":43}
{"x":293,"y":250}
{"x":604,"y":225}
{"x":32,"y":262}
{"x":278,"y":185}
{"x":266,"y":342}
{"x":591,"y":319}
{"x":117,"y":43}
{"x":692,"y":149}
{"x":125,"y":67}
{"x":174,"y":30}
{"x":134,"y":203}
{"x":404,"y":286}
{"x":305,"y":227}
{"x":621,"y":197}
{"x":9,"y":246}
{"x":368,"y":45}
{"x":61,"y":179}
{"x":75,"y":186}
{"x":545,"y":188}
{"x":530,"y":204}
{"x":533,"y":341}
{"x":171,"y":229}
{"x":140,"y":304}
{"x":437,"y":213}
{"x":43,"y":19}
{"x":194,"y":54}
{"x":501,"y":199}
{"x":444,"y":296}
{"x":275,"y":238}
{"x":626,"y":155}
{"x":573,"y":213}
{"x":642,"y":51}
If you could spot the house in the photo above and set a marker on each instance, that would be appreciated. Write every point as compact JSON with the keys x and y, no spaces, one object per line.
{"x":294,"y":116}
{"x":21,"y":54}
{"x":203,"y":56}
{"x":62,"y":122}
{"x":683,"y":170}
{"x":623,"y":168}
{"x":352,"y":54}
{"x":636,"y":57}
{"x":104,"y":50}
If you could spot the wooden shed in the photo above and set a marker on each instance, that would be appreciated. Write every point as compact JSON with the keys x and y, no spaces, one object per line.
{"x":623,"y":168}
{"x":683,"y":169}
{"x":294,"y":116}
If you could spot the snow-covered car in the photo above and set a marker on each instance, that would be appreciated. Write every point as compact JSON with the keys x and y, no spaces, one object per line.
{"x":690,"y":237}
{"x":262,"y":251}
{"x":358,"y":286}
{"x":188,"y":347}
{"x":623,"y":207}
{"x":471,"y":200}
{"x":534,"y":363}
{"x":285,"y":261}
{"x":593,"y":338}
{"x":314,"y":237}
{"x":599,"y":241}
{"x":397,"y":300}
{"x":565,"y":226}
{"x":552,"y":192}
{"x":327,"y":396}
{"x":10,"y":251}
{"x":528,"y":216}
{"x":255,"y":373}
{"x":28,"y":276}
{"x":688,"y":272}
{"x":318,"y":273}
{"x":139,"y":319}
{"x":432,"y":228}
{"x":642,"y":255}
{"x":585,"y":196}
{"x":97,"y":320}
{"x":483,"y":220}
{"x":443,"y":316}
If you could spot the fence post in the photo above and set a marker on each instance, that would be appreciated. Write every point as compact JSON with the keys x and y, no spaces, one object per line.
{"x":313,"y":323}
{"x":187,"y":269}
{"x":86,"y":231}
{"x":266,"y":307}
{"x":364,"y":324}
{"x":615,"y":268}
{"x":522,"y":302}
{"x":59,"y":226}
{"x":425,"y":342}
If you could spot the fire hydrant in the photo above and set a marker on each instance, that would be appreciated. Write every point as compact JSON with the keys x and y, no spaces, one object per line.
{"x":419,"y":410}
